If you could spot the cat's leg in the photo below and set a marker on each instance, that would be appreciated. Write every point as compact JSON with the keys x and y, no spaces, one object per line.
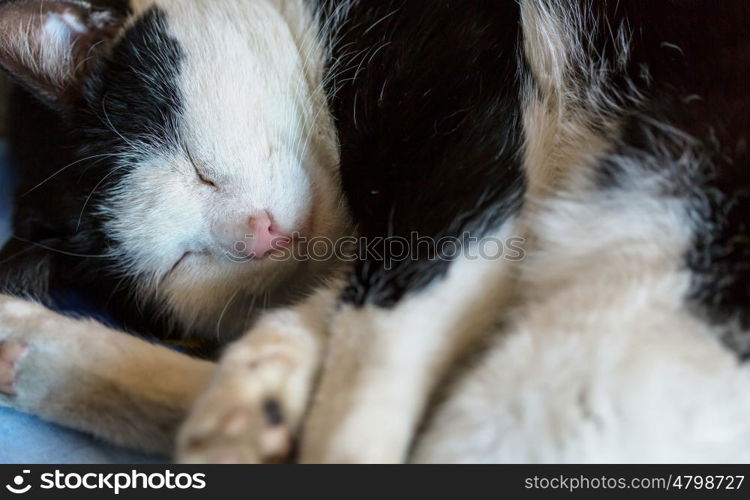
{"x":609,"y":358}
{"x":383,"y":363}
{"x":85,"y":376}
{"x":259,"y":395}
{"x":430,"y":153}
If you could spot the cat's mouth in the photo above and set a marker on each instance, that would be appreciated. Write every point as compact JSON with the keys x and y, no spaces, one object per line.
{"x":192,"y":255}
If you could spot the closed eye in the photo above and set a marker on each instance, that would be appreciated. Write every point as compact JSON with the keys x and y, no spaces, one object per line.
{"x":203,"y":178}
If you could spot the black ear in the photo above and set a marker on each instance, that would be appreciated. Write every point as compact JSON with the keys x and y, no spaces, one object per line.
{"x":51,"y":46}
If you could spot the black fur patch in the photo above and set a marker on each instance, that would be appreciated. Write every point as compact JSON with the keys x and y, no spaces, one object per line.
{"x":720,"y":256}
{"x":427,"y":100}
{"x":697,"y":54}
{"x":134,"y":100}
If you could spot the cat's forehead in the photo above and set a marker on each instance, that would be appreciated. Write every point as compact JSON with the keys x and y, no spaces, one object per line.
{"x":211,"y":74}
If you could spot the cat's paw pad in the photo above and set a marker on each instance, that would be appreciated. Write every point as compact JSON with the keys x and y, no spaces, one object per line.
{"x":223,"y":429}
{"x":11,"y":353}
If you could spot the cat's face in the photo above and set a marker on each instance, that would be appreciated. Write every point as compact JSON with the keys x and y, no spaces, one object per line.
{"x":211,"y":147}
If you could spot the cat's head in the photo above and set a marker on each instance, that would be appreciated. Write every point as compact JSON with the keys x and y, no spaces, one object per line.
{"x":192,"y":143}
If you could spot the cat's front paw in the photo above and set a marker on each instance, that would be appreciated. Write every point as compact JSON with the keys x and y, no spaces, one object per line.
{"x":21,"y":324}
{"x":241,"y":418}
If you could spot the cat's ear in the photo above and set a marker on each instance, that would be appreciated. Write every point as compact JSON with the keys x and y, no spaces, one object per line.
{"x":51,"y":46}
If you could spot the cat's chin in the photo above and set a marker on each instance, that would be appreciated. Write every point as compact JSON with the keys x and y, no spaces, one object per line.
{"x":224,"y":301}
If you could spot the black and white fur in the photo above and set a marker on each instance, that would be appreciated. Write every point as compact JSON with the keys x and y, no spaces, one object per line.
{"x":569,"y":124}
{"x":637,"y":272}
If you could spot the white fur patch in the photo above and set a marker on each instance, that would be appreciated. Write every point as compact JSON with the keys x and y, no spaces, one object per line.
{"x":19,"y":308}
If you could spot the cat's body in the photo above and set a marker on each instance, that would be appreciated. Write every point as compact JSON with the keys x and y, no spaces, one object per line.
{"x":465,"y":122}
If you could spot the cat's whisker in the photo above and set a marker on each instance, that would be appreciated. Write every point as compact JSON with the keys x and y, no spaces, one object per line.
{"x":60,"y":171}
{"x":62,"y":252}
{"x":223,"y":312}
{"x":98,"y":185}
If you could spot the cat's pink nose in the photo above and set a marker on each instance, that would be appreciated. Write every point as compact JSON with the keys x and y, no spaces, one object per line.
{"x":266,"y":239}
{"x":254,"y":237}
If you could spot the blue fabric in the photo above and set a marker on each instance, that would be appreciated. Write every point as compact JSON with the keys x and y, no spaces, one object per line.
{"x":28,"y":440}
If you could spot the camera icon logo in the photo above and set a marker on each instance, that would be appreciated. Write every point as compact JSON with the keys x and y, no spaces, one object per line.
{"x":17,"y":487}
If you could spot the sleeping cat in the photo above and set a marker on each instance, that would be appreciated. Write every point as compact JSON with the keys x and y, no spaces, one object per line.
{"x":167,"y":149}
{"x":181,"y":148}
